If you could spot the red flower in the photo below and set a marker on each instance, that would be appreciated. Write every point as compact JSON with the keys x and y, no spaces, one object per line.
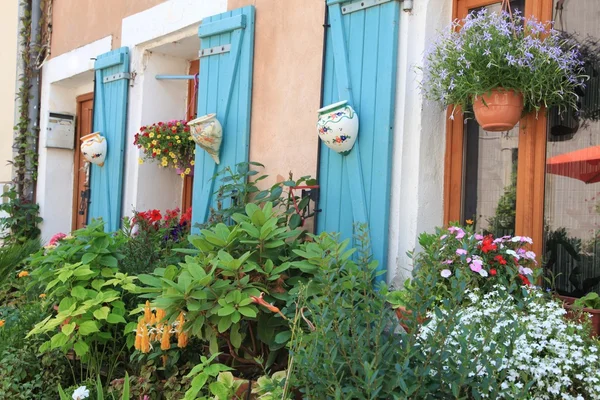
{"x":165,"y":151}
{"x":500,"y":259}
{"x":143,"y":128}
{"x":174,"y":129}
{"x":155,"y":215}
{"x":160,"y":124}
{"x":488,"y":244}
{"x":186,"y":217}
{"x":524,"y":279}
{"x":493,"y":272}
{"x":170,"y":144}
{"x":171,"y":214}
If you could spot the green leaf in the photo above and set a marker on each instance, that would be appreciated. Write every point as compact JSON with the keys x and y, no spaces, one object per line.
{"x":97,"y":284}
{"x":81,"y":348}
{"x":63,"y":395}
{"x":235,"y":336}
{"x":247,"y":312}
{"x":58,"y":340}
{"x":88,"y":327}
{"x":108,"y":261}
{"x":101,"y":313}
{"x":115,"y":319}
{"x":99,"y":390}
{"x":283,"y":337}
{"x":126,"y":387}
{"x":68,"y":328}
{"x":79,"y":292}
{"x":224,"y":324}
{"x":88,"y":258}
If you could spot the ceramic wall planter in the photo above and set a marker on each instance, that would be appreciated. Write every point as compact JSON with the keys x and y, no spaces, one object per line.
{"x":338,"y":127}
{"x":208,"y":134}
{"x":592,"y":312}
{"x":499,"y":110}
{"x":93,"y":148}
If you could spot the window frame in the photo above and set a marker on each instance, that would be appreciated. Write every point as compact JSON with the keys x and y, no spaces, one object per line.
{"x":531,"y":165}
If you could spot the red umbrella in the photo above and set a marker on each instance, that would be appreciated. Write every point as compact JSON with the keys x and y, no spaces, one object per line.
{"x":583,"y":164}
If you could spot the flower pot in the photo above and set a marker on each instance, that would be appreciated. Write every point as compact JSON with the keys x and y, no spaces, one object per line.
{"x":405,"y":315}
{"x":337,"y":127}
{"x":208,"y":134}
{"x":93,"y":148}
{"x":498,"y":110}
{"x":592,"y":312}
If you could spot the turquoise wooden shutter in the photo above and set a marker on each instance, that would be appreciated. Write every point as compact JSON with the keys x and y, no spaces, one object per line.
{"x":225,"y":88}
{"x":110,"y":112}
{"x":360,"y":66}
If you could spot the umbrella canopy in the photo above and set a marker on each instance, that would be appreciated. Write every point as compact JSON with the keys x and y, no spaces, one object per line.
{"x":583,"y":164}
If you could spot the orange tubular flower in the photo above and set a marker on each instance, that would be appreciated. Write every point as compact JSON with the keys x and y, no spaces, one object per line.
{"x":261,"y":301}
{"x":147,"y":313}
{"x":2,"y":322}
{"x":145,"y":342}
{"x":165,"y":341}
{"x":182,"y":340}
{"x":23,"y":274}
{"x":138,"y":335}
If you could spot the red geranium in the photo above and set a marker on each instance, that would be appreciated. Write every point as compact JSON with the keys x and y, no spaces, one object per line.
{"x":186,"y":217}
{"x":500,"y":259}
{"x":524,"y":279}
{"x":487,"y":244}
{"x":154,"y":215}
{"x":493,"y":272}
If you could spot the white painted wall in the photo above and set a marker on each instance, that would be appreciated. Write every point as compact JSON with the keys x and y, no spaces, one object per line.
{"x":8,"y":73}
{"x":64,"y":78}
{"x":419,"y":141}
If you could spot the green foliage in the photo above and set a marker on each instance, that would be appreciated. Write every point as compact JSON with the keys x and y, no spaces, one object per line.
{"x":96,"y":390}
{"x":503,"y":221}
{"x":204,"y":372}
{"x":239,"y":188}
{"x":348,"y":350}
{"x":272,"y":388}
{"x":215,"y":286}
{"x":12,"y":255}
{"x":590,"y":300}
{"x":22,"y":220}
{"x":81,"y":275}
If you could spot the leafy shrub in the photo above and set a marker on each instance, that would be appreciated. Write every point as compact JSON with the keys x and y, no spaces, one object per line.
{"x":12,"y":255}
{"x":218,"y":289}
{"x":23,"y":218}
{"x":347,"y":349}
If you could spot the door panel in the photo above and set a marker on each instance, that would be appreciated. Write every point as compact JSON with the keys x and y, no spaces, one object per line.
{"x":85,"y":109}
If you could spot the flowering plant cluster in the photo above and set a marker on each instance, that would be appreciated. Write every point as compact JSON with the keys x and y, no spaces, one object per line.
{"x":488,"y":50}
{"x":174,"y":225}
{"x":169,"y":143}
{"x":483,"y":261}
{"x":527,"y":350}
{"x":153,"y":327}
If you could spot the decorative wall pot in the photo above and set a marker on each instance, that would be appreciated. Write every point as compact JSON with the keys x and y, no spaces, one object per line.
{"x":338,"y":127}
{"x":93,"y":148}
{"x":208,"y":134}
{"x":499,"y":110}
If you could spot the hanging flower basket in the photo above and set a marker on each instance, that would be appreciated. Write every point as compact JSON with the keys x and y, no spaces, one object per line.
{"x":168,"y":143}
{"x":503,"y":65}
{"x":499,"y":110}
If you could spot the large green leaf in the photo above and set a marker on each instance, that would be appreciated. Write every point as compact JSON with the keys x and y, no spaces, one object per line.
{"x":88,"y":327}
{"x":101,"y":313}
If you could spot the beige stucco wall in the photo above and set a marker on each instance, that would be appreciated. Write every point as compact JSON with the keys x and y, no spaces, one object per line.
{"x":286,"y":90}
{"x":79,"y":22}
{"x":8,"y":69}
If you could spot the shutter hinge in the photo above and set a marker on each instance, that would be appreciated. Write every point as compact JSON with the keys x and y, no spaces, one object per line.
{"x":361,"y":5}
{"x":215,"y":50}
{"x":116,"y":77}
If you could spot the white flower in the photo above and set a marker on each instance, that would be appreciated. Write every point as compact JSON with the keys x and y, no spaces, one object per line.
{"x":81,"y":393}
{"x":446,"y":273}
{"x":483,"y":273}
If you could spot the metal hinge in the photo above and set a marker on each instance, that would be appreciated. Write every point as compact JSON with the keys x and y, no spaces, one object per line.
{"x":116,"y":77}
{"x":215,"y":50}
{"x":361,"y":5}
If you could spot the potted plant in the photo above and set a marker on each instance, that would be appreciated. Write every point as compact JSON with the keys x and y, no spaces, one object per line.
{"x":588,"y":304}
{"x":502,"y":64}
{"x":168,"y":143}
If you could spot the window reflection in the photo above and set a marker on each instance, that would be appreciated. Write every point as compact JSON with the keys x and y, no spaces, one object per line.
{"x":572,"y":199}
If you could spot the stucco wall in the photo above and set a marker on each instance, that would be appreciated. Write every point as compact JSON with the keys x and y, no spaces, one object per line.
{"x":286,"y":91}
{"x":8,"y":51}
{"x":78,"y":22}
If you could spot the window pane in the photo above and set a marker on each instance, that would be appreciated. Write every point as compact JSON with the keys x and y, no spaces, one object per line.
{"x":572,"y":200}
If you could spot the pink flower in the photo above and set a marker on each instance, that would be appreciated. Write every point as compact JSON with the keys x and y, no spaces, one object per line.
{"x":443,"y":237}
{"x":461,"y":234}
{"x":54,"y":239}
{"x":476,"y":265}
{"x":446,"y":273}
{"x":525,"y":271}
{"x":447,"y":262}
{"x":461,"y":252}
{"x":478,"y":236}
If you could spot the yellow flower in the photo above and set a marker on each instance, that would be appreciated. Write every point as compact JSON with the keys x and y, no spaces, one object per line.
{"x":175,"y":160}
{"x":140,"y":160}
{"x":168,"y":137}
{"x":154,"y":142}
{"x":43,"y":296}
{"x":190,"y":138}
{"x":151,"y":135}
{"x":469,"y":222}
{"x":165,"y":159}
{"x":158,"y":136}
{"x":179,"y":141}
{"x":187,"y":171}
{"x":182,"y":175}
{"x":176,"y":137}
{"x":179,"y":124}
{"x":192,"y":162}
{"x":2,"y":322}
{"x":164,"y":163}
{"x":172,"y":155}
{"x":23,"y":274}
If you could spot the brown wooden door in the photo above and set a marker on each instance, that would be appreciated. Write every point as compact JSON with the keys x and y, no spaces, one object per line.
{"x":188,"y":182}
{"x":85,"y":111}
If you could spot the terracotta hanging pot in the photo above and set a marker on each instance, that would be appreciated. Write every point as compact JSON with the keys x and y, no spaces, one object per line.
{"x":93,"y":148}
{"x":337,"y":127}
{"x":592,"y":313}
{"x":499,"y":110}
{"x":207,"y":132}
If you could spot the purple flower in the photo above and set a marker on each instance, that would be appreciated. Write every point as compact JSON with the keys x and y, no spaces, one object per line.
{"x":476,"y":265}
{"x":478,"y":236}
{"x":525,"y":271}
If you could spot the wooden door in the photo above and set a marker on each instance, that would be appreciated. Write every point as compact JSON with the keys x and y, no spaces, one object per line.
{"x":85,"y":110}
{"x":191,"y":113}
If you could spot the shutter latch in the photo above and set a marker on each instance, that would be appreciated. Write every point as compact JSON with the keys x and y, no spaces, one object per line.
{"x":116,"y":77}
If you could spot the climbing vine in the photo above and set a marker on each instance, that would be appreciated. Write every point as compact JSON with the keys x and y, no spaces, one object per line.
{"x":23,"y":213}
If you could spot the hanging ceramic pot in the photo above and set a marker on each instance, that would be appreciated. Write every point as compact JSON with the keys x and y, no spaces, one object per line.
{"x":208,"y":134}
{"x":338,"y":127}
{"x":93,"y":148}
{"x":499,"y":110}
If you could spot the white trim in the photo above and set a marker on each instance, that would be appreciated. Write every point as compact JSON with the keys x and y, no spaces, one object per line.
{"x":76,"y":61}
